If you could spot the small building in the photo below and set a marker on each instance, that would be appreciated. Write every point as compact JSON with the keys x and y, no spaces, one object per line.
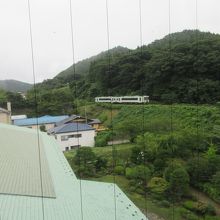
{"x":95,"y":123}
{"x":45,"y":122}
{"x":73,"y":135}
{"x":72,"y":119}
{"x":16,"y":117}
{"x":5,"y":115}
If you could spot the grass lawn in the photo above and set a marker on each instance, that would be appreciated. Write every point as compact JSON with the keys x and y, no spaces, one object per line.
{"x":103,"y":151}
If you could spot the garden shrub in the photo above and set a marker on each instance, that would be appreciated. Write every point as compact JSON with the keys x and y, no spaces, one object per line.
{"x":130,"y":173}
{"x":188,"y":215}
{"x":199,"y":207}
{"x":102,"y":139}
{"x":140,"y":172}
{"x":119,"y":170}
{"x":164,"y":203}
{"x":158,"y":186}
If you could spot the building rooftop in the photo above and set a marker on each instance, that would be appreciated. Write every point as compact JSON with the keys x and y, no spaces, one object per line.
{"x":70,"y":127}
{"x":94,"y":121}
{"x":67,"y":120}
{"x":16,"y":117}
{"x":47,"y":119}
{"x":29,"y":200}
{"x":4,"y":110}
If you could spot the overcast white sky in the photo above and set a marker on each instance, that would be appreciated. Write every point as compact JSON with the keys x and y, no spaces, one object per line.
{"x":52,"y":38}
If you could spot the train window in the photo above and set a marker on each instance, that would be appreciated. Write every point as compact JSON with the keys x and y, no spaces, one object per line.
{"x":129,"y":99}
{"x":105,"y":99}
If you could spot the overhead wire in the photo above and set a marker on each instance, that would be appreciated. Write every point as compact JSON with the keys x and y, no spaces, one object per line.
{"x":36,"y":106}
{"x":76,"y":103}
{"x":171,"y":105}
{"x":142,"y":83}
{"x":140,"y":24}
{"x":197,"y":90}
{"x":114,"y":152}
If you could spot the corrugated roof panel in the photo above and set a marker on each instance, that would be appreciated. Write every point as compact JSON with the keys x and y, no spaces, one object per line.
{"x":72,"y":117}
{"x":97,"y":198}
{"x":71,"y":127}
{"x":20,"y":167}
{"x":47,"y":119}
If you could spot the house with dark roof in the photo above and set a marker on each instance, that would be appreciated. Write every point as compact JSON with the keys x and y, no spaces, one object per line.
{"x":73,"y":135}
{"x":95,"y":123}
{"x":37,"y":183}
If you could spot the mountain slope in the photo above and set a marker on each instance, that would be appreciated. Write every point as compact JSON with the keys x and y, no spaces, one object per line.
{"x":14,"y":86}
{"x":182,"y":67}
{"x":82,"y":67}
{"x":170,"y":69}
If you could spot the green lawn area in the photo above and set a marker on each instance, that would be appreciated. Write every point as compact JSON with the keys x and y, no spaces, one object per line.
{"x":103,"y":151}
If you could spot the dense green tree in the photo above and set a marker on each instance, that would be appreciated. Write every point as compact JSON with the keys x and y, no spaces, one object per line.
{"x":101,"y":163}
{"x":172,"y":165}
{"x":86,"y":161}
{"x":129,"y":129}
{"x":146,"y":150}
{"x":201,"y":169}
{"x":158,"y":186}
{"x":3,"y":97}
{"x":53,"y":102}
{"x":179,"y":183}
{"x":138,"y":172}
{"x":216,"y":181}
{"x":137,"y":155}
{"x":16,"y":99}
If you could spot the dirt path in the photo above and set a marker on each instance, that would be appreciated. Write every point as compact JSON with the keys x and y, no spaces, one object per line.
{"x":204,"y":198}
{"x":152,"y":216}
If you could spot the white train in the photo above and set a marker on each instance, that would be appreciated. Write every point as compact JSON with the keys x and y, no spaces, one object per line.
{"x":123,"y":99}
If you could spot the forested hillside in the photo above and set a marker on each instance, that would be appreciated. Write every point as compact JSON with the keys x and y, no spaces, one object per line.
{"x":81,"y":69}
{"x":170,"y":69}
{"x":181,"y":68}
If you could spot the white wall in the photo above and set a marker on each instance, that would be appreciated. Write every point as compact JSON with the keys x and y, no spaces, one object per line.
{"x":5,"y":118}
{"x":87,"y":139}
{"x":47,"y":126}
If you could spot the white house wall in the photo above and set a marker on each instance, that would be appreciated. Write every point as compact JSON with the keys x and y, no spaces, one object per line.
{"x":47,"y":126}
{"x":86,"y":140}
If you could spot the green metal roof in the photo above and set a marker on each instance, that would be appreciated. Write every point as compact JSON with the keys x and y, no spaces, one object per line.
{"x":20,"y":170}
{"x":97,"y":198}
